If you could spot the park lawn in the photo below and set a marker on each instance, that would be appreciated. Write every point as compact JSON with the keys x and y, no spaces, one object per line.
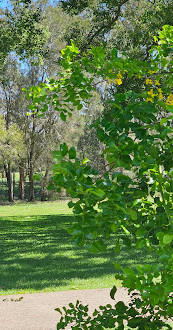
{"x":36,"y":253}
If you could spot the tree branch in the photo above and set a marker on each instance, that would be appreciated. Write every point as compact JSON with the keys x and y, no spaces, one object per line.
{"x":115,"y":17}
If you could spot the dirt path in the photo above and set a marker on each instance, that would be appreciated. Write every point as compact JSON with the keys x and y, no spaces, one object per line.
{"x":36,"y":311}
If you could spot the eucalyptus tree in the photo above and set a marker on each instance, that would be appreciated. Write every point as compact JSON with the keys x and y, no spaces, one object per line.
{"x":23,"y":38}
{"x":12,"y":149}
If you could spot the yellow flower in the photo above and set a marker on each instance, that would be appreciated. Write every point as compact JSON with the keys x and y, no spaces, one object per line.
{"x":160,"y":90}
{"x":157,"y":83}
{"x":118,"y":81}
{"x":119,"y":75}
{"x":150,"y":93}
{"x":149,"y":99}
{"x":149,"y":81}
{"x":151,"y":72}
{"x":160,"y":96}
{"x":169,"y":100}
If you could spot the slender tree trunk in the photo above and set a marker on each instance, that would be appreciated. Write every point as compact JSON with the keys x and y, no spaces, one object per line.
{"x":7,"y":169}
{"x":14,"y":182}
{"x":31,"y":181}
{"x":44,"y":192}
{"x":31,"y":160}
{"x":21,"y":181}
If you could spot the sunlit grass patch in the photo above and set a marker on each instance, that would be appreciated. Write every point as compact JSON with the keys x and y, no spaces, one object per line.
{"x":36,"y":253}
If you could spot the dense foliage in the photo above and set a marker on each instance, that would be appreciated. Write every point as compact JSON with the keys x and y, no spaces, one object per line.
{"x":137,"y":135}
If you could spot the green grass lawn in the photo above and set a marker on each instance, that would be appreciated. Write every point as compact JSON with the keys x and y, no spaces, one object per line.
{"x":36,"y":253}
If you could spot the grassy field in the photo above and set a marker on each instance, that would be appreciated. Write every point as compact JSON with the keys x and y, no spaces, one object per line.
{"x":36,"y":253}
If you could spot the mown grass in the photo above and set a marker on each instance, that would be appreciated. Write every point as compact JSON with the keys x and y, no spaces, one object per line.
{"x":36,"y":253}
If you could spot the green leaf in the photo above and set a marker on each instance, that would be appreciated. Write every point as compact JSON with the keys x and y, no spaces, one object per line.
{"x":113,"y":291}
{"x":85,"y":161}
{"x":163,"y":121}
{"x":36,"y":177}
{"x":132,"y":213}
{"x":170,"y":310}
{"x":74,"y":231}
{"x":50,"y":187}
{"x":58,"y":310}
{"x":71,"y":204}
{"x":96,"y":246}
{"x":64,"y":149}
{"x":134,"y":322}
{"x":120,"y":307}
{"x":72,"y":153}
{"x":98,"y":192}
{"x":92,"y":235}
{"x":114,"y":228}
{"x":63,"y":116}
{"x":129,"y":273}
{"x":80,"y":106}
{"x":57,"y":155}
{"x":125,"y":230}
{"x":77,"y":209}
{"x":114,"y":53}
{"x":43,"y":91}
{"x":169,"y":108}
{"x":167,"y":238}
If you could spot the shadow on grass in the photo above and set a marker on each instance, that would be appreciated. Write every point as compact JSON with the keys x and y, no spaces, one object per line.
{"x":36,"y":253}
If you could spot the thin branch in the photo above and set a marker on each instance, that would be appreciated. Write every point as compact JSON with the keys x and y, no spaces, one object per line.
{"x":91,"y":35}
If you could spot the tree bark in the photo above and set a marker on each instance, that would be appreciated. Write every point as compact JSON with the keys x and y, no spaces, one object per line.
{"x":14,"y":182}
{"x":31,"y":160}
{"x":31,"y":181}
{"x":7,"y":169}
{"x":21,"y":181}
{"x":44,"y":192}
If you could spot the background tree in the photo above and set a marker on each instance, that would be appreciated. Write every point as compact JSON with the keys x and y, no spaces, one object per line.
{"x":12,"y":148}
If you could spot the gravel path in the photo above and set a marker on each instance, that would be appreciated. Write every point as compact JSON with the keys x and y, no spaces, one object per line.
{"x":36,"y":311}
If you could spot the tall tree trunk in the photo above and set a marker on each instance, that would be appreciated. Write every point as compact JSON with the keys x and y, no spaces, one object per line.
{"x":31,"y":181}
{"x":31,"y":160}
{"x":14,"y":182}
{"x":21,"y":181}
{"x":7,"y":169}
{"x":44,"y":192}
